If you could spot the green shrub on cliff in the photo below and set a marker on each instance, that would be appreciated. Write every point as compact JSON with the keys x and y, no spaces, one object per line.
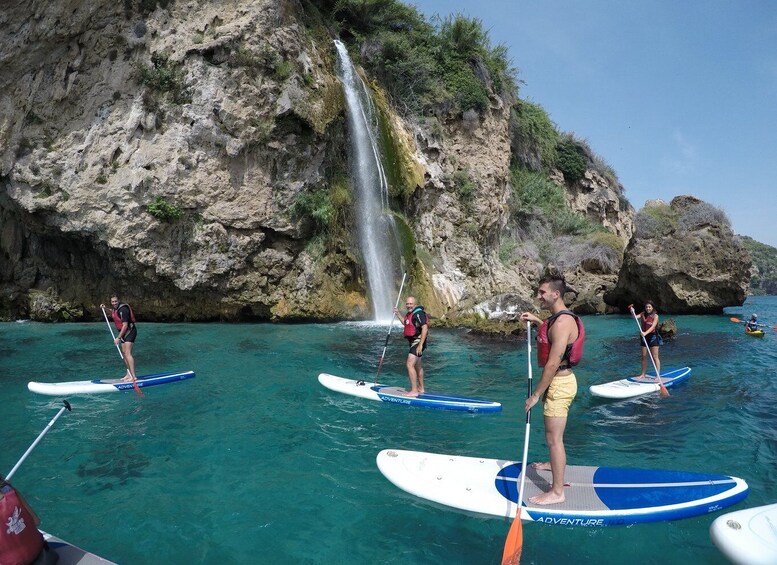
{"x":533,"y":136}
{"x":447,"y":68}
{"x":327,"y":209}
{"x":535,"y":196}
{"x":163,"y":211}
{"x":570,"y":159}
{"x":164,"y":77}
{"x":655,"y":219}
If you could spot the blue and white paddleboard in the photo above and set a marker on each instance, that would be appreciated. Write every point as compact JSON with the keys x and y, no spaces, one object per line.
{"x":749,"y":536}
{"x":634,"y":386}
{"x":595,"y":496}
{"x":70,"y":554}
{"x":396,"y":395}
{"x":105,"y":385}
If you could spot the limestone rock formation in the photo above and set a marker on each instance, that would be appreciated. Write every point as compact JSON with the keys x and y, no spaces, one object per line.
{"x":164,"y":150}
{"x":685,"y":258}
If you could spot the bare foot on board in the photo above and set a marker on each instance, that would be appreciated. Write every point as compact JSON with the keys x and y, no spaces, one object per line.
{"x":412,"y":394}
{"x":547,"y":498}
{"x":541,"y":466}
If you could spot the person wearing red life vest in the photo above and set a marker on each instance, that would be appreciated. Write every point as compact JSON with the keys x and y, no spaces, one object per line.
{"x":124,"y":320}
{"x":416,"y":326}
{"x":559,"y":347}
{"x":20,"y":541}
{"x":648,"y":319}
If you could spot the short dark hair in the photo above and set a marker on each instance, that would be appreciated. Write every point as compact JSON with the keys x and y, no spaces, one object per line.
{"x":556,"y":282}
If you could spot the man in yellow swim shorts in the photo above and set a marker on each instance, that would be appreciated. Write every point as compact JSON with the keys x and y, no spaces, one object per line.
{"x":560,"y":341}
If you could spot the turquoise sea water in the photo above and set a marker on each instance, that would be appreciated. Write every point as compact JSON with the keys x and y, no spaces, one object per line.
{"x":254,"y":462}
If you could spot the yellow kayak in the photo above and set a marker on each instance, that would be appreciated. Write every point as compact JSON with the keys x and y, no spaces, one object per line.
{"x":755,"y":333}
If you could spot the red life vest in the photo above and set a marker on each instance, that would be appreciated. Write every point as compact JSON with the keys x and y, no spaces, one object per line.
{"x":647,"y":321}
{"x":574,"y":351}
{"x":20,"y":540}
{"x":117,"y":319}
{"x":413,"y":322}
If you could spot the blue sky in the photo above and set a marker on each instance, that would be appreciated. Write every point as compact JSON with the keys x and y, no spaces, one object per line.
{"x":678,"y":97}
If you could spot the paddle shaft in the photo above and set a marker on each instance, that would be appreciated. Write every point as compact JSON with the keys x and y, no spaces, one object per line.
{"x":110,"y":329}
{"x":37,"y":440}
{"x":391,"y":325}
{"x":511,"y":555}
{"x":528,"y":420}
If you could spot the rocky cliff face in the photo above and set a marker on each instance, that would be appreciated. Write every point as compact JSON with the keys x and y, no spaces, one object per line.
{"x":685,"y":258}
{"x":160,"y":149}
{"x":240,"y":112}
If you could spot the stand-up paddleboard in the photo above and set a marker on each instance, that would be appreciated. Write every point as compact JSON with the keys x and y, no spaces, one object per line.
{"x":749,"y":536}
{"x":105,"y":385}
{"x":70,"y":554}
{"x":595,"y":496}
{"x":634,"y":386}
{"x":395,"y":395}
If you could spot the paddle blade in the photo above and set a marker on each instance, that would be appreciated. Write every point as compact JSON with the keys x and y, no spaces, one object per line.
{"x":736,"y":320}
{"x":514,"y":542}
{"x":662,"y":390}
{"x":136,"y":387}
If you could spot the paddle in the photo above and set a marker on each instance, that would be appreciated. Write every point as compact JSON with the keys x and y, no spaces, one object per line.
{"x":738,"y":321}
{"x":37,"y":440}
{"x":514,"y":542}
{"x":391,"y":325}
{"x":661,"y":388}
{"x":110,"y":329}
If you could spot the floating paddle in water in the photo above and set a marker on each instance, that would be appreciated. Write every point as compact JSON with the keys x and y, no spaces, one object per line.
{"x":514,"y":542}
{"x":661,"y":388}
{"x":391,"y":325}
{"x":110,"y":329}
{"x":37,"y":440}
{"x":738,"y":321}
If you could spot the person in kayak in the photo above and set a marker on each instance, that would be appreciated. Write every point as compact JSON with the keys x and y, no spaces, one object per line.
{"x":20,"y":540}
{"x":648,"y":319}
{"x":416,"y":324}
{"x":752,"y":324}
{"x":559,"y":347}
{"x":124,"y":320}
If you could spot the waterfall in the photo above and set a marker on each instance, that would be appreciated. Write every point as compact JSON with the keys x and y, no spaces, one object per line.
{"x":376,"y":228}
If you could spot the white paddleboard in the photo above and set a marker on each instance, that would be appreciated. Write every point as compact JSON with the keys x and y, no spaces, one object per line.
{"x":70,"y":554}
{"x":595,"y":496}
{"x":105,"y":385}
{"x":396,"y":395}
{"x":634,"y":386}
{"x":749,"y":536}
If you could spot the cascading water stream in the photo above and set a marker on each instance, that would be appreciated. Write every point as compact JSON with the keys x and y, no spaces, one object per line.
{"x":376,"y":228}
